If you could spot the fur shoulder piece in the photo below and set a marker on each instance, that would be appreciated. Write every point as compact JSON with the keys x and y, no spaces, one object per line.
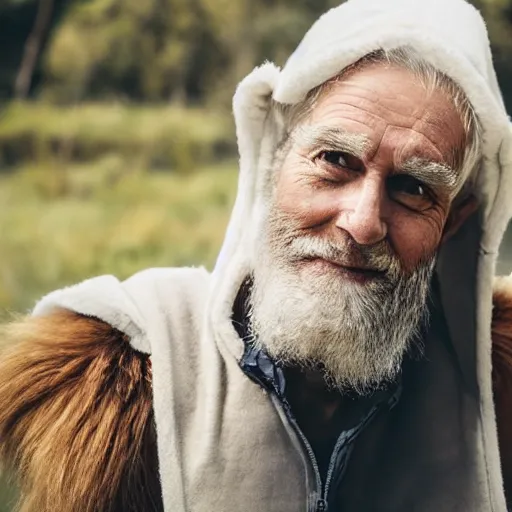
{"x":76,"y":420}
{"x":502,"y":373}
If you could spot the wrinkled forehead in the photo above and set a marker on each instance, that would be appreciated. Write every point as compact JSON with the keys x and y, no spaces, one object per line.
{"x":386,"y":106}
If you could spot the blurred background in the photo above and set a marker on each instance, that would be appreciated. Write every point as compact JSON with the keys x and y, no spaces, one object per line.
{"x":117,"y":147}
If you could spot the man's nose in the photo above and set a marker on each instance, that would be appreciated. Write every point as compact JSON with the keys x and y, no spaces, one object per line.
{"x":361,"y":213}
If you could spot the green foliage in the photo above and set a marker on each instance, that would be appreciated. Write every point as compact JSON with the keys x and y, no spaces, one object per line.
{"x":138,"y":48}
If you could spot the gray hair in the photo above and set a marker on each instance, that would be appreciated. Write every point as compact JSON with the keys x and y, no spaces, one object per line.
{"x":467,"y":159}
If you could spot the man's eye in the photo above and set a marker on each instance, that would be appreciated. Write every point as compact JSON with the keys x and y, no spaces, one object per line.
{"x":334,"y":158}
{"x":410,"y":192}
{"x":408,"y":185}
{"x":337,"y":158}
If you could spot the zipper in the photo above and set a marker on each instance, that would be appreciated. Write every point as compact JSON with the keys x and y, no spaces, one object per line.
{"x":315,"y":501}
{"x":332,"y":465}
{"x":321,"y":500}
{"x":319,"y":504}
{"x":318,"y":499}
{"x":344,"y":439}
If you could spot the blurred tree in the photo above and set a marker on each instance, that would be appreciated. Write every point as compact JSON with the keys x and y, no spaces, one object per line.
{"x":33,"y":47}
{"x":17,"y":22}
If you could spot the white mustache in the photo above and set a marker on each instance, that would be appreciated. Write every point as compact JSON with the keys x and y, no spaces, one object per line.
{"x":376,"y":258}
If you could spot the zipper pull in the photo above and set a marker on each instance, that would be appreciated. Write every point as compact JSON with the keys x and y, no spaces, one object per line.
{"x":321,"y":505}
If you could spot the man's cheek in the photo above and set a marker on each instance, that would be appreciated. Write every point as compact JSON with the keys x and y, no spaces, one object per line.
{"x":308,"y":209}
{"x":415,"y":248}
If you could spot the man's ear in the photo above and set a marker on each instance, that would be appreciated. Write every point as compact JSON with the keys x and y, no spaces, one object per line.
{"x":459,"y":212}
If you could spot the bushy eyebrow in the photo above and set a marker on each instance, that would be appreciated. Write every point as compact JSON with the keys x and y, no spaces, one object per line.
{"x":436,"y":175}
{"x":433,"y":174}
{"x":331,"y":139}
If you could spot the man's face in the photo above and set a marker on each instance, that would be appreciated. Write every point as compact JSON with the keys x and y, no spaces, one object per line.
{"x":375,"y":161}
{"x":360,"y":205}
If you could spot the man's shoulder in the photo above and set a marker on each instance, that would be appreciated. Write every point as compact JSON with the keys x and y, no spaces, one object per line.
{"x":152,"y":299}
{"x":171,"y":287}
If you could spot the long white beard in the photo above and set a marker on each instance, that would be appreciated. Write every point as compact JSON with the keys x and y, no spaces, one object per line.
{"x":357,"y":334}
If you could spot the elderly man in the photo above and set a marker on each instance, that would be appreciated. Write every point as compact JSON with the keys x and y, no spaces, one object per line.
{"x":339,"y":356}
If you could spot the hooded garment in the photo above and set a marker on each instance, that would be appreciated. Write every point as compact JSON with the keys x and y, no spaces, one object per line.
{"x":224,"y":443}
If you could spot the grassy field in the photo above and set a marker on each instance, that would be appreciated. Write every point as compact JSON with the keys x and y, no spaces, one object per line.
{"x":105,"y":225}
{"x":108,"y":188}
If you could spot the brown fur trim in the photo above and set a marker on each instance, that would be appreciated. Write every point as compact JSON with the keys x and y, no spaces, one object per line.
{"x":502,"y":374}
{"x":76,"y":420}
